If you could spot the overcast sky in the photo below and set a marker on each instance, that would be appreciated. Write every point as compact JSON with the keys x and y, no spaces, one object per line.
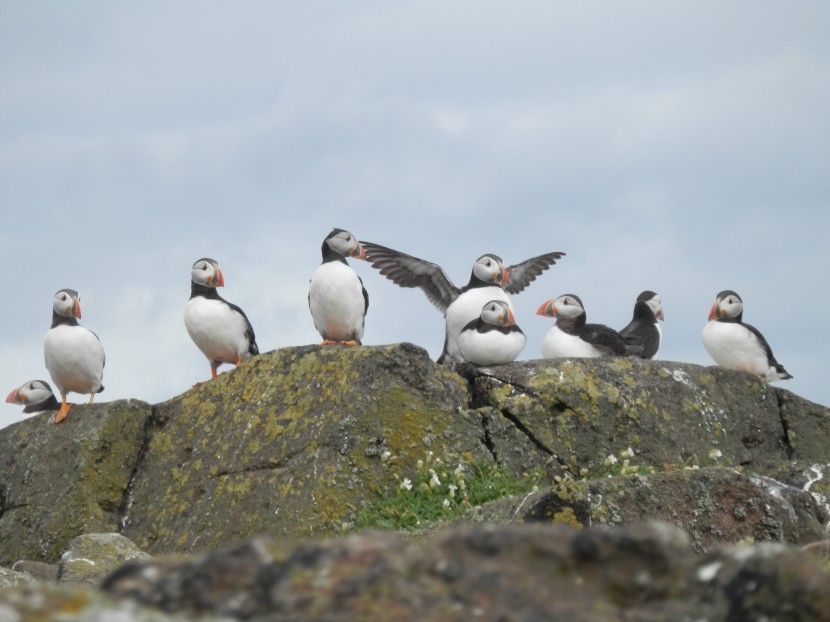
{"x":682,"y":147}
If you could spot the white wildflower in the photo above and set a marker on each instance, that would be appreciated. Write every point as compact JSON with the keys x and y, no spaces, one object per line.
{"x":715,"y":454}
{"x":452,"y":489}
{"x":406,"y":484}
{"x":629,"y":452}
{"x":434,"y":482}
{"x":446,"y":504}
{"x":385,"y":455}
{"x":611,"y":459}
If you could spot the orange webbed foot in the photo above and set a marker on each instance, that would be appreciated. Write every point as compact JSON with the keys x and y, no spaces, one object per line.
{"x":62,"y":412}
{"x":333,"y":342}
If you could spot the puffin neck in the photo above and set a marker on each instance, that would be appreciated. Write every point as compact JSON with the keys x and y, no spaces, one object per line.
{"x":58,"y":320}
{"x":196,"y":289}
{"x":570,"y":325}
{"x":329,"y":254}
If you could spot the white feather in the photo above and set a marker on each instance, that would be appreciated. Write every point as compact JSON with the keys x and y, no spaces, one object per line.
{"x":732,"y":345}
{"x":336,"y":302}
{"x":492,"y":347}
{"x":463,"y":310}
{"x":216,"y":329}
{"x":559,"y":344}
{"x":74,"y":357}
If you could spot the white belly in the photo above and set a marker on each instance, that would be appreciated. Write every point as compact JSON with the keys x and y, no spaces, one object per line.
{"x":75,"y":359}
{"x":335,"y":298}
{"x":733,"y":346}
{"x":216,"y":329}
{"x":490,"y":348}
{"x":559,"y":344}
{"x":465,"y":309}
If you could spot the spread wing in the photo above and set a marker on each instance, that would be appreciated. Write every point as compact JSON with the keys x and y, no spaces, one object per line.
{"x":522,"y":274}
{"x":408,"y":271}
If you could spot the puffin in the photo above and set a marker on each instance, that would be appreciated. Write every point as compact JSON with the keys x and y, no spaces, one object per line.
{"x":644,"y":328}
{"x":336,"y":297}
{"x":489,"y":280}
{"x":73,"y":354}
{"x":735,"y":344}
{"x":219,"y":328}
{"x":35,"y":396}
{"x":571,"y":335}
{"x":493,"y":338}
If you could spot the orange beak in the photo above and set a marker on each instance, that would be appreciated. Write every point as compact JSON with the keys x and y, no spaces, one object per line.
{"x":713,"y":312}
{"x":76,"y":309}
{"x":511,"y":318}
{"x":359,"y":252}
{"x":505,"y":276}
{"x":220,"y":280}
{"x":660,"y":314}
{"x":13,"y":397}
{"x":546,"y":309}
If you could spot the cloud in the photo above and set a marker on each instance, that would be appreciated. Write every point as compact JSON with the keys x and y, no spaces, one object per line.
{"x":677,"y":147}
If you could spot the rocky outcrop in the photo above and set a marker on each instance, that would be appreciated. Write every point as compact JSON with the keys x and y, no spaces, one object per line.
{"x":92,"y":557}
{"x":243,"y":479}
{"x":297,"y":441}
{"x":538,"y":572}
{"x":291,"y":444}
{"x":491,"y":573}
{"x":672,"y":415}
{"x":60,"y":481}
{"x":713,"y":505}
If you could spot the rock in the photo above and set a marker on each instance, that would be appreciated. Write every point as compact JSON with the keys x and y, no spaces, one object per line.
{"x":45,"y":602}
{"x":646,"y":572}
{"x":713,"y":505}
{"x":37,"y":570}
{"x":12,"y":578}
{"x":91,"y":557}
{"x":292,"y":443}
{"x":299,"y":441}
{"x":580,"y":411}
{"x":58,"y":481}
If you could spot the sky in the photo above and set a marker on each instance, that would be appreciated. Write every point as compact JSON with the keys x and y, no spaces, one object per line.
{"x":682,"y":147}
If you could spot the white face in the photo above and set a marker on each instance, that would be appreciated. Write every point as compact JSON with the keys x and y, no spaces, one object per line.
{"x":205,"y":272}
{"x":489,"y":269}
{"x":343,"y":242}
{"x":497,"y":313}
{"x":730,"y":306}
{"x":657,"y":306}
{"x":67,"y":304}
{"x":34,"y":392}
{"x":567,"y":306}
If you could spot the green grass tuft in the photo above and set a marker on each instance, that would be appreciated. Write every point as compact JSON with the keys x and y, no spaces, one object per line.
{"x":436,"y":494}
